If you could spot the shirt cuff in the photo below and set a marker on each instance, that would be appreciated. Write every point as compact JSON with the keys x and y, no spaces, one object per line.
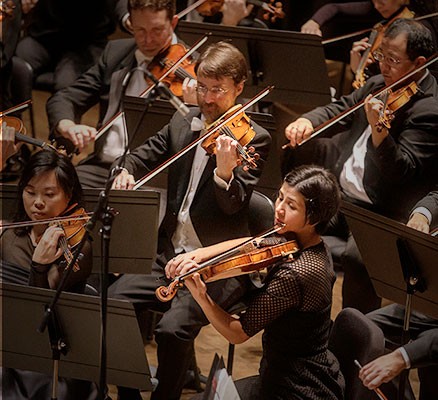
{"x":423,"y":211}
{"x":221,"y":183}
{"x":405,"y":357}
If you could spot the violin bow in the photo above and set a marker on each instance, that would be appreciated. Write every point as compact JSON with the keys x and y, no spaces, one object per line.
{"x":175,"y":66}
{"x":377,"y":391}
{"x":190,"y":8}
{"x":357,"y":33}
{"x":18,"y":107}
{"x":195,"y":47}
{"x":10,"y":225}
{"x":229,"y":253}
{"x":22,"y":137}
{"x":193,"y":144}
{"x":351,"y":110}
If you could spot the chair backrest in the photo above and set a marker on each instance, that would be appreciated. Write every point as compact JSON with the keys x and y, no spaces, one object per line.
{"x":261,"y":213}
{"x":355,"y":337}
{"x":22,"y":78}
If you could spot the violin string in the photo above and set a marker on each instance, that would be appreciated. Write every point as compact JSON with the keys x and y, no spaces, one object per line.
{"x":227,"y":131}
{"x":180,"y":72}
{"x":230,"y":252}
{"x":9,"y":225}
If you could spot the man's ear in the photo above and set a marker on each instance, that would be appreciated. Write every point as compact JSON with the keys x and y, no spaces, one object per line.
{"x":420,"y":61}
{"x":239,"y":87}
{"x":174,"y":21}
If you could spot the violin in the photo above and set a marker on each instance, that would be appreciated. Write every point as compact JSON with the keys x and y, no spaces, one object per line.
{"x":208,"y":8}
{"x":73,"y":224}
{"x":239,"y":128}
{"x":167,"y":59}
{"x":252,"y":261}
{"x":20,"y":133}
{"x":329,"y":123}
{"x":392,"y":102}
{"x":209,"y":132}
{"x":375,"y":40}
{"x":74,"y":229}
{"x":168,"y":71}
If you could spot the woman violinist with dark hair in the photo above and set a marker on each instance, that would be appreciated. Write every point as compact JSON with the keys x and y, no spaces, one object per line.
{"x":48,"y":188}
{"x":31,"y":254}
{"x":293,"y":306}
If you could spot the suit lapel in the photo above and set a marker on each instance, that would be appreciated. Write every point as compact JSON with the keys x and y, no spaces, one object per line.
{"x":116,"y":85}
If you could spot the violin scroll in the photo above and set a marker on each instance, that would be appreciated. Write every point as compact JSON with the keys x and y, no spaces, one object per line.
{"x":167,"y":293}
{"x":360,"y":79}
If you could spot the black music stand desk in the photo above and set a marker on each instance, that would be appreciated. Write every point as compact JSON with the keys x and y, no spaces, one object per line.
{"x":378,"y":240}
{"x":134,"y":234}
{"x":24,"y":348}
{"x":293,"y":62}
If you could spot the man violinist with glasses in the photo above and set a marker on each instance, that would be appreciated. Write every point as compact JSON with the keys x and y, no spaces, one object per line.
{"x":385,"y":168}
{"x":207,"y":202}
{"x":152,"y":23}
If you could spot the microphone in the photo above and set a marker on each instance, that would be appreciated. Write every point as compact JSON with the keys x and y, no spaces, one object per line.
{"x":127,"y":79}
{"x":165,"y":92}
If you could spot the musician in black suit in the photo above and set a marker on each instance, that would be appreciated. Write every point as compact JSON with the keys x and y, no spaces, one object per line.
{"x":153,"y":22}
{"x":422,"y":351}
{"x":207,"y":201}
{"x":385,"y":169}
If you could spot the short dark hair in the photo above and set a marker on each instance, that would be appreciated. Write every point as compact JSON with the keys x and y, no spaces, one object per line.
{"x":320,"y":191}
{"x":155,"y":5}
{"x":222,"y":59}
{"x":45,"y":161}
{"x":419,"y":38}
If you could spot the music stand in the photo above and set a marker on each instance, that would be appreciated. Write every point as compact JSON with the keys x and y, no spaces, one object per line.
{"x":137,"y":219}
{"x":24,"y":348}
{"x":400,"y":261}
{"x":293,"y":62}
{"x":160,"y":114}
{"x":134,"y":233}
{"x":377,"y":237}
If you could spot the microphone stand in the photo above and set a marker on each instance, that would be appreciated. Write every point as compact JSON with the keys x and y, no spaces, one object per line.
{"x":102,"y":212}
{"x":106,"y":214}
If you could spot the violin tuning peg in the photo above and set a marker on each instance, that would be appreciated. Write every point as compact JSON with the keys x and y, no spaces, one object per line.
{"x":256,"y":156}
{"x":251,"y":149}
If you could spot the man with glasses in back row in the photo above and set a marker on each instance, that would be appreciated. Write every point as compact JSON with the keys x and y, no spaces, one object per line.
{"x":385,"y":169}
{"x":153,"y":23}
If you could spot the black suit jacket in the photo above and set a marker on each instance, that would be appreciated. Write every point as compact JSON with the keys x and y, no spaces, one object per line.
{"x":102,"y":83}
{"x":216,"y":214}
{"x":403,"y":168}
{"x":423,"y":351}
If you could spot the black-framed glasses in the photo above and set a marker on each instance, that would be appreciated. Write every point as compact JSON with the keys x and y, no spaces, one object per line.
{"x":380,"y":57}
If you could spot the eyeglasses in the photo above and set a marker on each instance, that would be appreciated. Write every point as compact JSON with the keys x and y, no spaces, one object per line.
{"x":380,"y":57}
{"x":215,"y":91}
